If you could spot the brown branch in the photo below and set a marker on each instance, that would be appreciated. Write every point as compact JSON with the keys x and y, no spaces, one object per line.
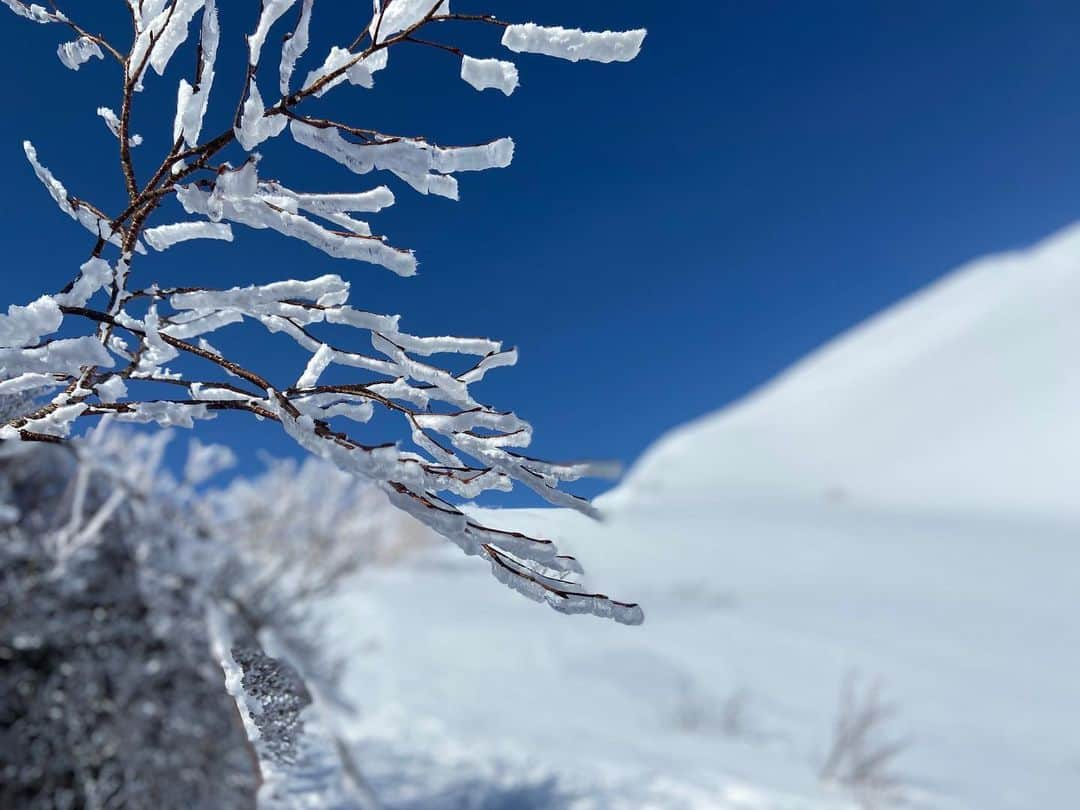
{"x":101,"y":408}
{"x":176,"y":343}
{"x":439,"y":45}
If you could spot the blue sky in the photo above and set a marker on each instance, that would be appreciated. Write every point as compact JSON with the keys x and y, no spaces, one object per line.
{"x":672,"y":233}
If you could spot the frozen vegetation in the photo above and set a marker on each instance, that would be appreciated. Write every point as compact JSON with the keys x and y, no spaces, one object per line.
{"x":158,"y":336}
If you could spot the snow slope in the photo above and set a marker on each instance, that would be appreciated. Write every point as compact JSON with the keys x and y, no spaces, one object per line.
{"x":964,"y":396}
{"x":900,"y":504}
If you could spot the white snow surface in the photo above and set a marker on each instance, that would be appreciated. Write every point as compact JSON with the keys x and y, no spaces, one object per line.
{"x":78,"y":52}
{"x":34,"y":12}
{"x":254,"y":127}
{"x":23,"y":326}
{"x":294,"y":47}
{"x":899,"y":505}
{"x":161,"y":36}
{"x":191,"y":101}
{"x":361,"y":73}
{"x":401,"y":15}
{"x":165,"y":236}
{"x":271,"y":13}
{"x":425,"y":167}
{"x":574,"y":44}
{"x":113,"y":123}
{"x":490,"y":73}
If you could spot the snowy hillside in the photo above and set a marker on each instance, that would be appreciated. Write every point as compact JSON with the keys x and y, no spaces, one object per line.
{"x":965,"y":396}
{"x":899,"y":505}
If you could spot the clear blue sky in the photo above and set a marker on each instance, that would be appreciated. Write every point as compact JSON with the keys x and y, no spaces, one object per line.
{"x":672,"y":233}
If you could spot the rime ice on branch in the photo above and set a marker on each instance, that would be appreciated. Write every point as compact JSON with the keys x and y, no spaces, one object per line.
{"x":461,"y":447}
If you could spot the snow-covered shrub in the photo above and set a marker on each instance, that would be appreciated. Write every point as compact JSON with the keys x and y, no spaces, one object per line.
{"x":111,"y":680}
{"x":309,"y":525}
{"x":109,"y":697}
{"x":156,"y":336}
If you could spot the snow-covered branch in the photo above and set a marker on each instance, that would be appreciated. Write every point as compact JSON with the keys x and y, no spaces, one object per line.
{"x":154,"y":338}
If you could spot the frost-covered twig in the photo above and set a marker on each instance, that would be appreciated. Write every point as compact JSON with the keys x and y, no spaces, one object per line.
{"x":861,"y":754}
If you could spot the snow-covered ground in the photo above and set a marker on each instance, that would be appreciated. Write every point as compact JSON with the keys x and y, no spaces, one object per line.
{"x":902,"y":505}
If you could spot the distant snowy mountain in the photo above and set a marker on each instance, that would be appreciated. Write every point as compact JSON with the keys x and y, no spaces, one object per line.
{"x":901,"y":504}
{"x":965,"y":396}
